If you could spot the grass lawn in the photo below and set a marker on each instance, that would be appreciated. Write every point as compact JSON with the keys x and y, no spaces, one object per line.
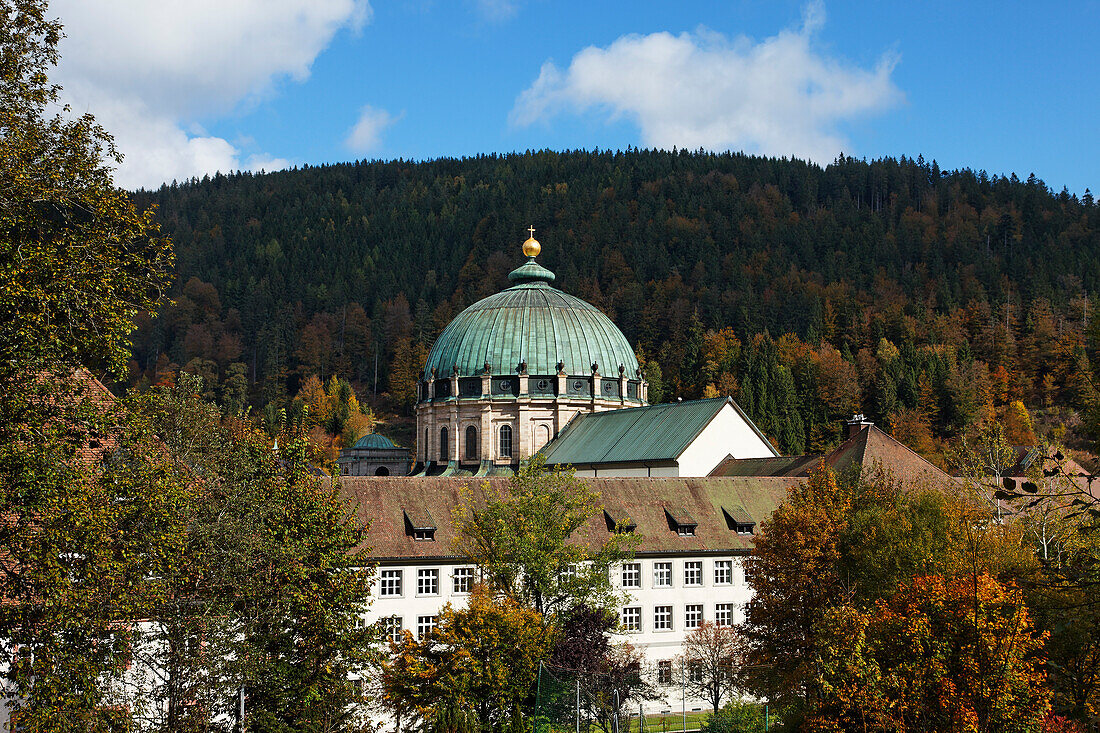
{"x":671,"y":723}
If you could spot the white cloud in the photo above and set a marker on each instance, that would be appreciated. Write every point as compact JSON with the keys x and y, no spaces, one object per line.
{"x":149,"y":70}
{"x":779,"y":96}
{"x":366,"y":135}
{"x":497,"y":10}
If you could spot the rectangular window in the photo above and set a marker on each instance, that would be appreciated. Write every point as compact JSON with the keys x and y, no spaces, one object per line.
{"x":664,"y":672}
{"x":723,"y":614}
{"x":695,"y":673}
{"x":632,"y":575}
{"x":662,"y":618}
{"x":425,"y":625}
{"x":662,"y":575}
{"x":693,"y":616}
{"x":391,"y":628}
{"x":390,"y":583}
{"x":632,"y":618}
{"x":427,"y":582}
{"x":693,"y":572}
{"x":723,"y":572}
{"x":568,"y":574}
{"x":463,"y":580}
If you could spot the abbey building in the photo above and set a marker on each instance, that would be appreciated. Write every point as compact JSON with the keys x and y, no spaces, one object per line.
{"x":533,"y":368}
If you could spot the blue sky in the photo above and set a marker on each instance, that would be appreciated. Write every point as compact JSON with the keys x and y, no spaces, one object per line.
{"x":1005,"y":87}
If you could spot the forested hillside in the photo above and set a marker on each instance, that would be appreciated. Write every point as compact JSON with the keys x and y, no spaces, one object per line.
{"x":930,"y":300}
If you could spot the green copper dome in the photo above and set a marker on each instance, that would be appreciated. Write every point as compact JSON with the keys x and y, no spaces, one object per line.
{"x":535,"y":323}
{"x":374,"y":440}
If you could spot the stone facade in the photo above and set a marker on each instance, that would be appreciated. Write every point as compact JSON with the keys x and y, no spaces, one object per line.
{"x":374,"y":462}
{"x":529,"y":410}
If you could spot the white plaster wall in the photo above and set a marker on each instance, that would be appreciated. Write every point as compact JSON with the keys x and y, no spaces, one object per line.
{"x":409,"y":605}
{"x":654,"y":645}
{"x":635,"y":470}
{"x":726,"y":434}
{"x":667,"y":645}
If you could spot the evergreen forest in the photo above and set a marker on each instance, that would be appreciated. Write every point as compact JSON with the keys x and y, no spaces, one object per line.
{"x":932,"y":301}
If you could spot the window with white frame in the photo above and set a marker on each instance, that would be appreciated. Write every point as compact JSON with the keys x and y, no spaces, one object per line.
{"x":693,"y":572}
{"x":662,"y":618}
{"x":391,"y":628}
{"x":390,"y":583}
{"x":632,"y":618}
{"x":695,"y":672}
{"x":723,"y":572}
{"x":425,"y":625}
{"x":632,"y":575}
{"x":723,"y":614}
{"x":463,"y":580}
{"x":693,"y":615}
{"x":662,"y":575}
{"x":664,"y":672}
{"x":427,"y":582}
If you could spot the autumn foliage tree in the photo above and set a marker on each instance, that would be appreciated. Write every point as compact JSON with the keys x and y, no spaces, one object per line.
{"x":793,"y":571}
{"x":476,"y":671}
{"x":856,"y":579}
{"x":958,"y":655}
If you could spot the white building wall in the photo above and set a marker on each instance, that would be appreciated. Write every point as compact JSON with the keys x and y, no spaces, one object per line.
{"x":657,"y":645}
{"x":726,"y":434}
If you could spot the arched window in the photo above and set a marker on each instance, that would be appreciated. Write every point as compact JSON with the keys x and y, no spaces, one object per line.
{"x":444,"y":446}
{"x":542,"y":436}
{"x":471,"y":443}
{"x":505,"y":441}
{"x":382,"y":471}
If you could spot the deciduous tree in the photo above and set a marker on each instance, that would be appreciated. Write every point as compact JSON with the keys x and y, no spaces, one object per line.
{"x":523,"y":539}
{"x":713,"y":652}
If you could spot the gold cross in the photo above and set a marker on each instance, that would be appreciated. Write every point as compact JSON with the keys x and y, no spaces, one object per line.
{"x":532,"y":230}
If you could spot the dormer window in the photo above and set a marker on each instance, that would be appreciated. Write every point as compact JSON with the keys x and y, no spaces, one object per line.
{"x":738,"y":520}
{"x":419,"y":524}
{"x":619,"y":521}
{"x":680,"y":521}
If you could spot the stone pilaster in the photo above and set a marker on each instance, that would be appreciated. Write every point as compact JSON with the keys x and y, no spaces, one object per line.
{"x":488,"y":447}
{"x":521,"y":440}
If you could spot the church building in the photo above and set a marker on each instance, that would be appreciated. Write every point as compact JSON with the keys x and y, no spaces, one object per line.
{"x":533,"y":368}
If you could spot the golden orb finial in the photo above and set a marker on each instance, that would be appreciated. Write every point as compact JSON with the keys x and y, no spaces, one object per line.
{"x":531,"y":247}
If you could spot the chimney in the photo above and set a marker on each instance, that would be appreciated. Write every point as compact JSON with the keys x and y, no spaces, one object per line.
{"x":857,"y":424}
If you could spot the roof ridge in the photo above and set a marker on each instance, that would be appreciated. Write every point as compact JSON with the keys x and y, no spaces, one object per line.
{"x":622,"y":434}
{"x":892,"y":439}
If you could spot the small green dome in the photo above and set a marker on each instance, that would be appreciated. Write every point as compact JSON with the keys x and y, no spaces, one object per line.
{"x":535,"y":323}
{"x":374,"y":440}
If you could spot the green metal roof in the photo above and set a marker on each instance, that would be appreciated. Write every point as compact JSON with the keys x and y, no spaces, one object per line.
{"x":533,"y":322}
{"x":374,"y":440}
{"x":652,"y":433}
